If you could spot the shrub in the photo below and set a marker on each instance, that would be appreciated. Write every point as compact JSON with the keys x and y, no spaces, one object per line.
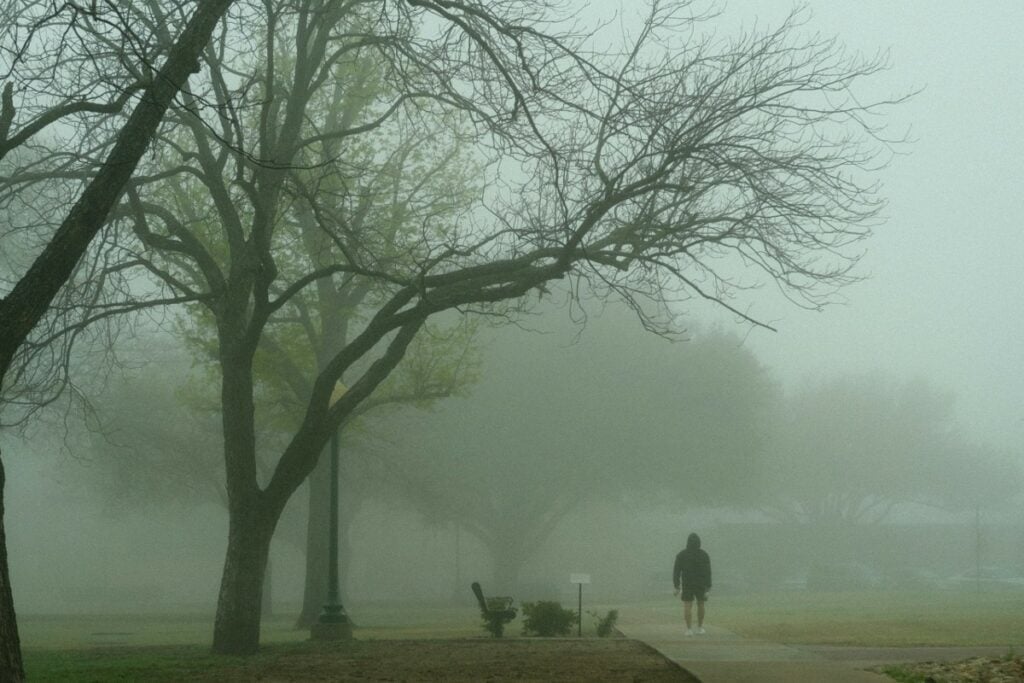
{"x":605,"y":624}
{"x":547,"y":618}
{"x":494,"y":624}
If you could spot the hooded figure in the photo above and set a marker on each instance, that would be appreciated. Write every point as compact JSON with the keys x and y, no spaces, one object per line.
{"x":692,"y":575}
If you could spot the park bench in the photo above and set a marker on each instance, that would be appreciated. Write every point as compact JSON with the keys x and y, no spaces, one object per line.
{"x":496,"y":611}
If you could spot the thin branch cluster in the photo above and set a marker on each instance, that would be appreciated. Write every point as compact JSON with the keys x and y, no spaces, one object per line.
{"x":402,"y":159}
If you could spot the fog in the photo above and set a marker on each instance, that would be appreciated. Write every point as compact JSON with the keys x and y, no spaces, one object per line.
{"x":942,"y":274}
{"x":585,"y":402}
{"x":587,"y":446}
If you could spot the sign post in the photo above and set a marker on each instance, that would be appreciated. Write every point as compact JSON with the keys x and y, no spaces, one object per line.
{"x":579,"y":580}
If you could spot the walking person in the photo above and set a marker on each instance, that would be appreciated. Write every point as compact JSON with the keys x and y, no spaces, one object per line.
{"x":692,"y":575}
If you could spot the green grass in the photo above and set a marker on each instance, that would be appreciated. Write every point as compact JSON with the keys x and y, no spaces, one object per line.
{"x":79,"y":648}
{"x":127,"y":630}
{"x":393,"y":622}
{"x":131,"y":647}
{"x":173,"y":663}
{"x":901,"y":675}
{"x":176,"y":647}
{"x":865,"y":618}
{"x":118,"y":664}
{"x":875,"y":618}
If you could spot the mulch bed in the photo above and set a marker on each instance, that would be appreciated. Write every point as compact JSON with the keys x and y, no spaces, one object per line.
{"x":977,"y":669}
{"x":469,"y":659}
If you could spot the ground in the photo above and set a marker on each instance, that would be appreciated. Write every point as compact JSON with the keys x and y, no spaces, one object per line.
{"x":399,"y":642}
{"x":462,"y":659}
{"x":466,"y":659}
{"x":1009,"y":669}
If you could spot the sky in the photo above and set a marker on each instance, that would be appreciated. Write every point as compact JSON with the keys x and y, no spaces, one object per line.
{"x":943,"y":290}
{"x":944,"y":296}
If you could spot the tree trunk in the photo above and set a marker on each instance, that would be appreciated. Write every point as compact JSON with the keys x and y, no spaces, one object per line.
{"x":236,"y":629}
{"x":23,"y":307}
{"x":11,"y":668}
{"x":267,"y":603}
{"x":252,"y":514}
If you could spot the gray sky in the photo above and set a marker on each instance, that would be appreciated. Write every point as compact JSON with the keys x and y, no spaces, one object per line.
{"x":943,"y":300}
{"x":945,"y":294}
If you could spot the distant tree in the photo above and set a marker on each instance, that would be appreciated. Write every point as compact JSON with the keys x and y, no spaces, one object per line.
{"x":555,"y":424}
{"x":153,"y":430}
{"x":848,"y":450}
{"x":149,"y":446}
{"x":977,"y":476}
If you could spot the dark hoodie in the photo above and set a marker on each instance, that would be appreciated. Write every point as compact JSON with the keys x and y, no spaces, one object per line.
{"x":693,"y":566}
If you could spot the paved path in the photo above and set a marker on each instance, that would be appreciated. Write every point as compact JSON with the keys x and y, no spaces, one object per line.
{"x":721,"y":656}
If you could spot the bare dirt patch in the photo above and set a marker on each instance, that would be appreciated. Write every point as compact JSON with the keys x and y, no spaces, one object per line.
{"x":1003,"y":670}
{"x":456,"y":660}
{"x":476,"y":660}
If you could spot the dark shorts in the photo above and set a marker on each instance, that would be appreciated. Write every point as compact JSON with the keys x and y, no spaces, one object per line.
{"x":690,"y":594}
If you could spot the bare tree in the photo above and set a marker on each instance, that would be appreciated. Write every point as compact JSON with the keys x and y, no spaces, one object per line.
{"x":31,"y":31}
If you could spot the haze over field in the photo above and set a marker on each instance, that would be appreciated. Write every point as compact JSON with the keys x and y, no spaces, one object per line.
{"x":578,"y":424}
{"x":940,"y":301}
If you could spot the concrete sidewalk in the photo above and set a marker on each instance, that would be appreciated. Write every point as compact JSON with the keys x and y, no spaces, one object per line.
{"x":723,"y":657}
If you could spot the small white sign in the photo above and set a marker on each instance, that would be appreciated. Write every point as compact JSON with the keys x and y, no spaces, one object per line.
{"x":579,"y":578}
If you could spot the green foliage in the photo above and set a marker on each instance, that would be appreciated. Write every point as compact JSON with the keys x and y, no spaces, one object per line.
{"x":605,"y":624}
{"x":494,"y":623}
{"x":496,"y":612}
{"x":151,"y":664}
{"x":547,"y":618}
{"x":901,"y":675}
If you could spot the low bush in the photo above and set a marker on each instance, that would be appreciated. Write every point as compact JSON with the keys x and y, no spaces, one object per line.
{"x":547,"y":618}
{"x":605,"y":624}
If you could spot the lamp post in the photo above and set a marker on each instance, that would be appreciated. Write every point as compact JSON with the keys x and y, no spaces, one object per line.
{"x":333,"y":623}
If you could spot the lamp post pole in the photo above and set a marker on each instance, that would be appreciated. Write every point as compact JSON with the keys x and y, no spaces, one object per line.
{"x":333,"y":623}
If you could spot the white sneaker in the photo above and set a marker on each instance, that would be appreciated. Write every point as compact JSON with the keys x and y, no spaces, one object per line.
{"x":701,"y":631}
{"x":689,"y":632}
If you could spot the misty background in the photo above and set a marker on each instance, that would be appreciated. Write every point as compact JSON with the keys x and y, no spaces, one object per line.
{"x":939,"y":310}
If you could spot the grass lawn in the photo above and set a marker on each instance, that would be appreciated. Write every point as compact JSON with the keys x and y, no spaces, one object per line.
{"x":126,"y":630}
{"x":879,"y":618}
{"x":176,"y":647}
{"x":167,"y":663}
{"x":874,"y":618}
